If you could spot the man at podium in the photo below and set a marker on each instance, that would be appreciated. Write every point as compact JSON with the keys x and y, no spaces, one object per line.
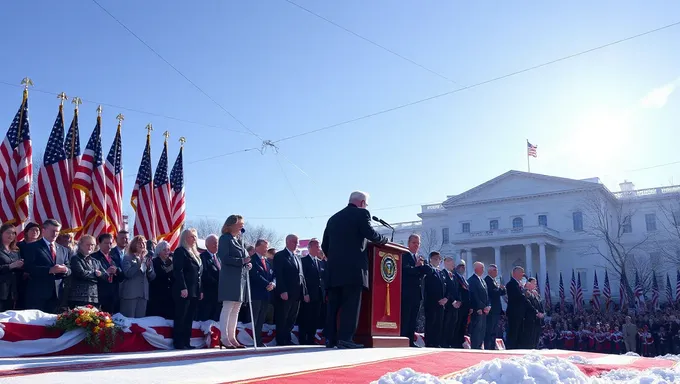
{"x":344,"y":242}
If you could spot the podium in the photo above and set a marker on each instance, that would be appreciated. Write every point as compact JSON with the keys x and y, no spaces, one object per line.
{"x":380,"y":315}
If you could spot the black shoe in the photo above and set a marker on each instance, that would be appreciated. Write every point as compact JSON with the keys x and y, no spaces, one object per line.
{"x":348,"y":345}
{"x":330,"y":345}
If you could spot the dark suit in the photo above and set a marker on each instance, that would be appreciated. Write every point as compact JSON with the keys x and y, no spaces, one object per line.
{"x":187,"y":272}
{"x":108,"y":291}
{"x":261,"y":274}
{"x":518,"y":305}
{"x":344,"y":243}
{"x":495,"y":293}
{"x":479,"y":299}
{"x":531,"y":326}
{"x":41,"y":291}
{"x":463,"y":312}
{"x":209,"y":308}
{"x":308,"y":319}
{"x":435,"y":290}
{"x":8,"y":280}
{"x":290,"y":279}
{"x":411,"y":294}
{"x":450,"y":312}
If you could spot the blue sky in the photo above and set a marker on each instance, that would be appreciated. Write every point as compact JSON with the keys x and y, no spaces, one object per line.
{"x":282,"y":71}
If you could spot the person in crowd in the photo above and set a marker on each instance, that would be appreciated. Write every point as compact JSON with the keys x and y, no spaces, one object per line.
{"x":310,"y":310}
{"x":518,"y":305}
{"x":138,"y":271}
{"x":151,"y":247}
{"x":270,"y":254}
{"x":161,"y":302}
{"x":31,"y":235}
{"x":209,"y":308}
{"x":323,"y":271}
{"x":411,"y":287}
{"x":122,"y":241}
{"x":453,"y":303}
{"x":464,"y":311}
{"x":479,"y":303}
{"x":11,"y":267}
{"x":108,"y":289}
{"x":290,"y":290}
{"x":187,"y":270}
{"x":531,"y":325}
{"x":630,"y":335}
{"x":47,"y":263}
{"x":231,"y":291}
{"x":251,"y":250}
{"x":435,"y":301}
{"x":344,"y":244}
{"x":86,"y":272}
{"x":261,"y":285}
{"x":66,"y":241}
{"x":496,"y":291}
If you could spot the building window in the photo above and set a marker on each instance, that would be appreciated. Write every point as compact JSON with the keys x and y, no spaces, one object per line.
{"x":627,"y":225}
{"x":445,"y":235}
{"x":650,"y":221}
{"x":577,"y":218}
{"x":517,"y":222}
{"x":543,"y":220}
{"x":583,"y":274}
{"x":493,"y":225}
{"x":466,"y":228}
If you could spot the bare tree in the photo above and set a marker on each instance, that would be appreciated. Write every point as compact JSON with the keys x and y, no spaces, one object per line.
{"x":669,"y":221}
{"x":204,"y":227}
{"x":430,"y":241}
{"x":253,"y":233}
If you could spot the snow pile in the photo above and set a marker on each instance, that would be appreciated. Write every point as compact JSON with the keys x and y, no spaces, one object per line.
{"x":534,"y":369}
{"x":576,"y":359}
{"x":669,"y":357}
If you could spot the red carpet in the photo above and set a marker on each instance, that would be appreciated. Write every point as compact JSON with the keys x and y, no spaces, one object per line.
{"x":435,"y":363}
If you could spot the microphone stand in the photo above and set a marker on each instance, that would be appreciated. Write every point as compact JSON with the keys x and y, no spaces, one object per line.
{"x":250,"y":303}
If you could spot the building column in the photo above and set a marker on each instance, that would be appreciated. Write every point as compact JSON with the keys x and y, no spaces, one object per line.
{"x":542,"y":264}
{"x":529,"y":267}
{"x":497,"y":259}
{"x":468,"y":262}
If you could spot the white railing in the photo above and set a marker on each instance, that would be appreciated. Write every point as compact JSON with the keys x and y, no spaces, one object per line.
{"x":660,"y":191}
{"x":432,"y":207}
{"x":505,"y":232}
{"x":403,"y":225}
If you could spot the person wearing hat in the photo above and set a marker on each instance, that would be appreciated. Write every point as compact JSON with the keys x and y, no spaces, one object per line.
{"x":31,"y":234}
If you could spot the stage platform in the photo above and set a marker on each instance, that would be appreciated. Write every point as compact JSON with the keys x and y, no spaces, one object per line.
{"x":282,"y":365}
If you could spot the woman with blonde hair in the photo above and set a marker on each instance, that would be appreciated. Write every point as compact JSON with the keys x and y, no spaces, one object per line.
{"x":232,"y":285}
{"x":187,"y":290}
{"x":138,"y":270}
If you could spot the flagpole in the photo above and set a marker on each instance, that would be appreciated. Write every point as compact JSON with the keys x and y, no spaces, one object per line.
{"x":527,"y":150}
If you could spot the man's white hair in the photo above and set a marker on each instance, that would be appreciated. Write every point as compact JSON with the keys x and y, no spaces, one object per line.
{"x":478,"y":264}
{"x":358,"y":196}
{"x":212,"y":236}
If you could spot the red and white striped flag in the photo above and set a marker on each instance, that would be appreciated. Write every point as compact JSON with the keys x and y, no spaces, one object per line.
{"x":52,"y":198}
{"x":572,"y":290}
{"x":113,"y":171}
{"x":91,"y":180}
{"x":532,"y":150}
{"x":655,"y":293}
{"x":623,"y":292}
{"x":72,"y":148}
{"x":16,"y":167}
{"x":161,"y":196}
{"x":607,"y":292}
{"x":178,"y":202}
{"x":142,"y":196}
{"x":579,"y":294}
{"x":596,"y":294}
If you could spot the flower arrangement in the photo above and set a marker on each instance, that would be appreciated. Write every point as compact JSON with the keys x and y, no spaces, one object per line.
{"x":99,"y":328}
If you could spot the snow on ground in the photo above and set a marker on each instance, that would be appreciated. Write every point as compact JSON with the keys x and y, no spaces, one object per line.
{"x":536,"y":369}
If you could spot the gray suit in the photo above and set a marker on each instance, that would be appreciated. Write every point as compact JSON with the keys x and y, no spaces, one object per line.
{"x":134,"y":290}
{"x":232,"y":285}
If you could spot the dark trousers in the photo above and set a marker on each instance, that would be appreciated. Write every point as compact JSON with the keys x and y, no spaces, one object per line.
{"x":345,"y":300}
{"x":514,"y":331}
{"x":285,"y":314}
{"x":50,"y":305}
{"x":434,"y":319}
{"x":477,"y":330}
{"x":449,"y":326}
{"x":185,"y":310}
{"x":209,"y":309}
{"x":6,"y":305}
{"x":409,"y":317}
{"x":461,"y":327}
{"x":308,"y":322}
{"x":491,"y":330}
{"x":260,"y":308}
{"x":110,"y":304}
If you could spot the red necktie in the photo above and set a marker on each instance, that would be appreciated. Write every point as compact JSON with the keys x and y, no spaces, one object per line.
{"x":108,"y":260}
{"x":264,"y":264}
{"x":54,"y":253}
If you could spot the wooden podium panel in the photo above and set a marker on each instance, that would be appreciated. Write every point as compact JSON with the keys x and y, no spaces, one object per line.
{"x":380,"y":316}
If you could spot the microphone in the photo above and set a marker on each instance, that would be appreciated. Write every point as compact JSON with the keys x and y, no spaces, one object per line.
{"x":385,"y":224}
{"x":243,"y":230}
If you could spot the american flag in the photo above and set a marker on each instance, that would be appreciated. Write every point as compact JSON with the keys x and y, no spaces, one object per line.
{"x":72,"y":148}
{"x":596,"y":294}
{"x":623,"y":292}
{"x":548,"y":299}
{"x":655,"y":293}
{"x":562,"y":300}
{"x":532,"y":150}
{"x":669,"y":290}
{"x":161,"y":196}
{"x":90,"y":179}
{"x":142,"y":196}
{"x":607,"y":292}
{"x":572,"y":289}
{"x":579,"y":293}
{"x":52,"y":197}
{"x":538,"y":286}
{"x":16,"y":169}
{"x":114,"y":183}
{"x":178,"y":202}
{"x":639,"y":294}
{"x":677,"y":285}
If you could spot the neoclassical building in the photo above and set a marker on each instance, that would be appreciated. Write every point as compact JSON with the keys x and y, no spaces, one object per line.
{"x":552,"y":225}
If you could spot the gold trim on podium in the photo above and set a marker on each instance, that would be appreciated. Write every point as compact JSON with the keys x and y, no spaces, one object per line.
{"x":388,"y":271}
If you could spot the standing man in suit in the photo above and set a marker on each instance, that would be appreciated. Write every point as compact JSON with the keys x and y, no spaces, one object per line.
{"x":344,"y":244}
{"x":46,"y":263}
{"x":261,"y":284}
{"x":518,"y":305}
{"x":290,"y":288}
{"x":122,"y":241}
{"x":464,"y":310}
{"x":414,"y":269}
{"x":310,"y":311}
{"x":453,"y":303}
{"x":479,"y":303}
{"x":435,"y":301}
{"x":495,"y":292}
{"x":210,"y":308}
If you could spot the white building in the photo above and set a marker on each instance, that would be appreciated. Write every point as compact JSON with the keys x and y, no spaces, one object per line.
{"x":552,"y":225}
